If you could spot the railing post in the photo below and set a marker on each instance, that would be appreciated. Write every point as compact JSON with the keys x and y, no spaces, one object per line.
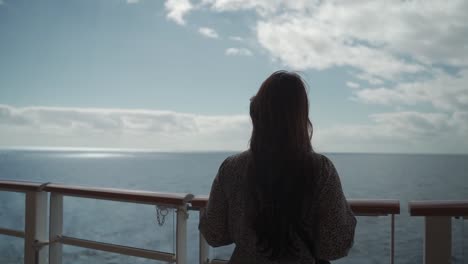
{"x":203,"y":245}
{"x":438,"y":240}
{"x":35,"y":227}
{"x":392,"y":242}
{"x":181,"y":235}
{"x":55,"y":228}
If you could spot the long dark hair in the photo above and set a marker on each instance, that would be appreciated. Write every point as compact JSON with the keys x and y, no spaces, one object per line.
{"x":281,"y":146}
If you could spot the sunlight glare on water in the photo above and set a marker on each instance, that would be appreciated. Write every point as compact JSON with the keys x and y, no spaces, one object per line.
{"x":95,"y":155}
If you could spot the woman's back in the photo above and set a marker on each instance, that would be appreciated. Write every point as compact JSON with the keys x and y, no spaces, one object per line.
{"x":279,"y":202}
{"x":326,"y":221}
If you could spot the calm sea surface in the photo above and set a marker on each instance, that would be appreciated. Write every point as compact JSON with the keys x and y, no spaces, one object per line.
{"x":393,"y":176}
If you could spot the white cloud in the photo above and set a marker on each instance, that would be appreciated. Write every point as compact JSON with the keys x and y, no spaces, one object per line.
{"x":407,"y":27}
{"x":381,"y":39}
{"x":303,"y":43}
{"x":133,"y":1}
{"x":461,"y":119}
{"x":177,"y":9}
{"x":412,"y":125}
{"x":238,"y":52}
{"x":236,"y":38}
{"x":208,"y":32}
{"x":352,"y":85}
{"x":261,"y":6}
{"x":399,"y":132}
{"x":445,"y":92}
{"x":172,"y":131}
{"x":121,"y":128}
{"x":369,"y":78}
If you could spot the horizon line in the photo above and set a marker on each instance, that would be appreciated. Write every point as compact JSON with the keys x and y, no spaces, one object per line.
{"x":152,"y":150}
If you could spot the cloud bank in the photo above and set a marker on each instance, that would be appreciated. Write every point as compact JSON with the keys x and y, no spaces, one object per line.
{"x":399,"y":132}
{"x":445,"y":92}
{"x":173,"y":131}
{"x":121,"y":128}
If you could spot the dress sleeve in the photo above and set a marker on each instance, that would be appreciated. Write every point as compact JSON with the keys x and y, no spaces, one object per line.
{"x":336,"y":220}
{"x":214,"y":220}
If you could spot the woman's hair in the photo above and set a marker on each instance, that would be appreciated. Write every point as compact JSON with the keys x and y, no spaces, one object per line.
{"x":281,"y":146}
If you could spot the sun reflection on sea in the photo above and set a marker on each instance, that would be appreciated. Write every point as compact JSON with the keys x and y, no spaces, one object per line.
{"x":95,"y":155}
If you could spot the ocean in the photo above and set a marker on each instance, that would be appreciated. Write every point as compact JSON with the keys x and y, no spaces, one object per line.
{"x":364,"y":176}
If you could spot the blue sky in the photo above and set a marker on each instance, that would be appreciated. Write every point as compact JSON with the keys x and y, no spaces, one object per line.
{"x":178,"y":74}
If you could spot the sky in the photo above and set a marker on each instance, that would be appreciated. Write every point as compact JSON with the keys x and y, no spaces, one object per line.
{"x":177,"y":75}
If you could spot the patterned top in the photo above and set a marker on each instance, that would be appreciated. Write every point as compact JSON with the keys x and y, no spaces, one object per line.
{"x":225,"y":221}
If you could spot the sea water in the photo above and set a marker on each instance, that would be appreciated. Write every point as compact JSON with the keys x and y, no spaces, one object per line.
{"x":364,"y":176}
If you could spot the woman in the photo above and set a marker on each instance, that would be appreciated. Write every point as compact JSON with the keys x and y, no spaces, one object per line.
{"x":279,"y":202}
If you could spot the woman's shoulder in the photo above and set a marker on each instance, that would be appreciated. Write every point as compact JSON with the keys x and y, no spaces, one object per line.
{"x":234,"y":164}
{"x":243,"y":157}
{"x":324,"y":170}
{"x":238,"y":159}
{"x":321,"y":159}
{"x":232,"y":171}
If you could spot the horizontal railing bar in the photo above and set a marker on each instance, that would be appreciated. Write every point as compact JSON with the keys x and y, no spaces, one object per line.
{"x":12,"y":232}
{"x":123,"y":195}
{"x":359,"y":207}
{"x":199,"y":201}
{"x":362,"y":207}
{"x":124,"y":250}
{"x":374,"y":206}
{"x":19,"y":186}
{"x":218,"y":261}
{"x":371,"y":215}
{"x":438,"y":208}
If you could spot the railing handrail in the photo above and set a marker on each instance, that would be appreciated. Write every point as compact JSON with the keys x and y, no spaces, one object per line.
{"x":199,"y":201}
{"x":438,"y":208}
{"x":19,"y":186}
{"x":123,"y":195}
{"x":374,"y":206}
{"x":359,"y":206}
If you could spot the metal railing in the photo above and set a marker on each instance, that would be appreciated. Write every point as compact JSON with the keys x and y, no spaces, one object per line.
{"x":35,"y":219}
{"x":438,"y":227}
{"x":38,"y":212}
